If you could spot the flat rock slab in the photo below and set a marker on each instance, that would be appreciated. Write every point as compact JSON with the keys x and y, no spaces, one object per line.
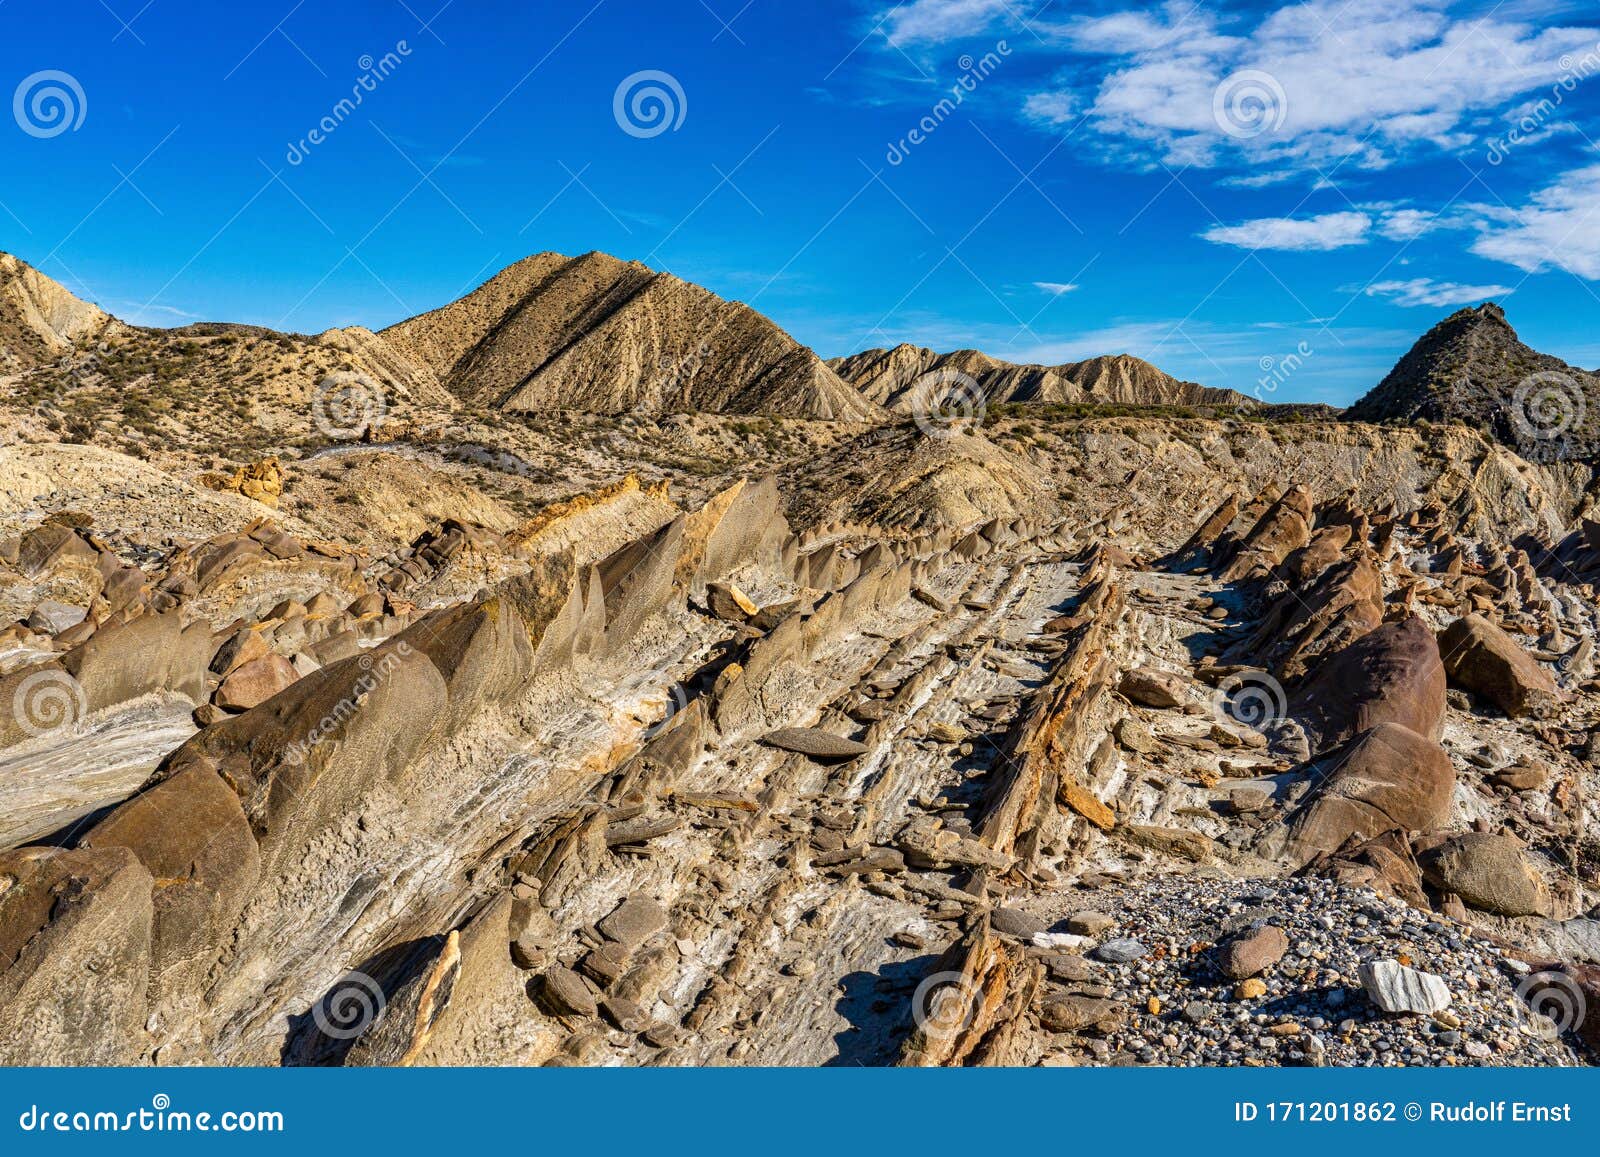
{"x":815,"y":742}
{"x":633,"y":921}
{"x":1124,"y":950}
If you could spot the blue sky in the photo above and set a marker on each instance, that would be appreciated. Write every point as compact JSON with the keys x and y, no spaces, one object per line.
{"x":1215,"y":187}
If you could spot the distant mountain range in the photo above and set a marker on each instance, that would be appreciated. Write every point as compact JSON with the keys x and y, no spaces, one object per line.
{"x":888,"y":377}
{"x":597,"y":334}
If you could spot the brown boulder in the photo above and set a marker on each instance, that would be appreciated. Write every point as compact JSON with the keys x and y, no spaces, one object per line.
{"x":75,"y":953}
{"x":253,"y":683}
{"x":1392,"y":675}
{"x":151,"y":653}
{"x":206,"y":865}
{"x":815,"y":742}
{"x":1252,"y":953}
{"x":1490,"y":872}
{"x":1154,"y":688}
{"x":1386,"y":779}
{"x":1479,"y":657}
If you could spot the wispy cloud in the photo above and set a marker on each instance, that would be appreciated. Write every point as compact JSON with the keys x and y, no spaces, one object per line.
{"x":937,"y":21}
{"x":1055,"y":288}
{"x":1424,"y":291}
{"x":1559,"y":228}
{"x":1295,"y":234}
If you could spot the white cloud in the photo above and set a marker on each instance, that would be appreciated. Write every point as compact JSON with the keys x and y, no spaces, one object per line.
{"x":1408,"y":224}
{"x":1055,"y":288}
{"x":1559,"y":228}
{"x":1426,"y":291}
{"x":1308,"y":85}
{"x":1051,"y":109}
{"x":936,"y":21}
{"x":1301,"y":234}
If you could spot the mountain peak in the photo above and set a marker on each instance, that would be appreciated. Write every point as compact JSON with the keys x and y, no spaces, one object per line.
{"x":1473,"y":369}
{"x":598,"y":333}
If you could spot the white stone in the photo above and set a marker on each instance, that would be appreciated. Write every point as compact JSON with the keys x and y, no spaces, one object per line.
{"x":1395,"y":988}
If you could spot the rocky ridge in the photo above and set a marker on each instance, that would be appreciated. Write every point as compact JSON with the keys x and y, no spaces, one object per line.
{"x":896,"y":377}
